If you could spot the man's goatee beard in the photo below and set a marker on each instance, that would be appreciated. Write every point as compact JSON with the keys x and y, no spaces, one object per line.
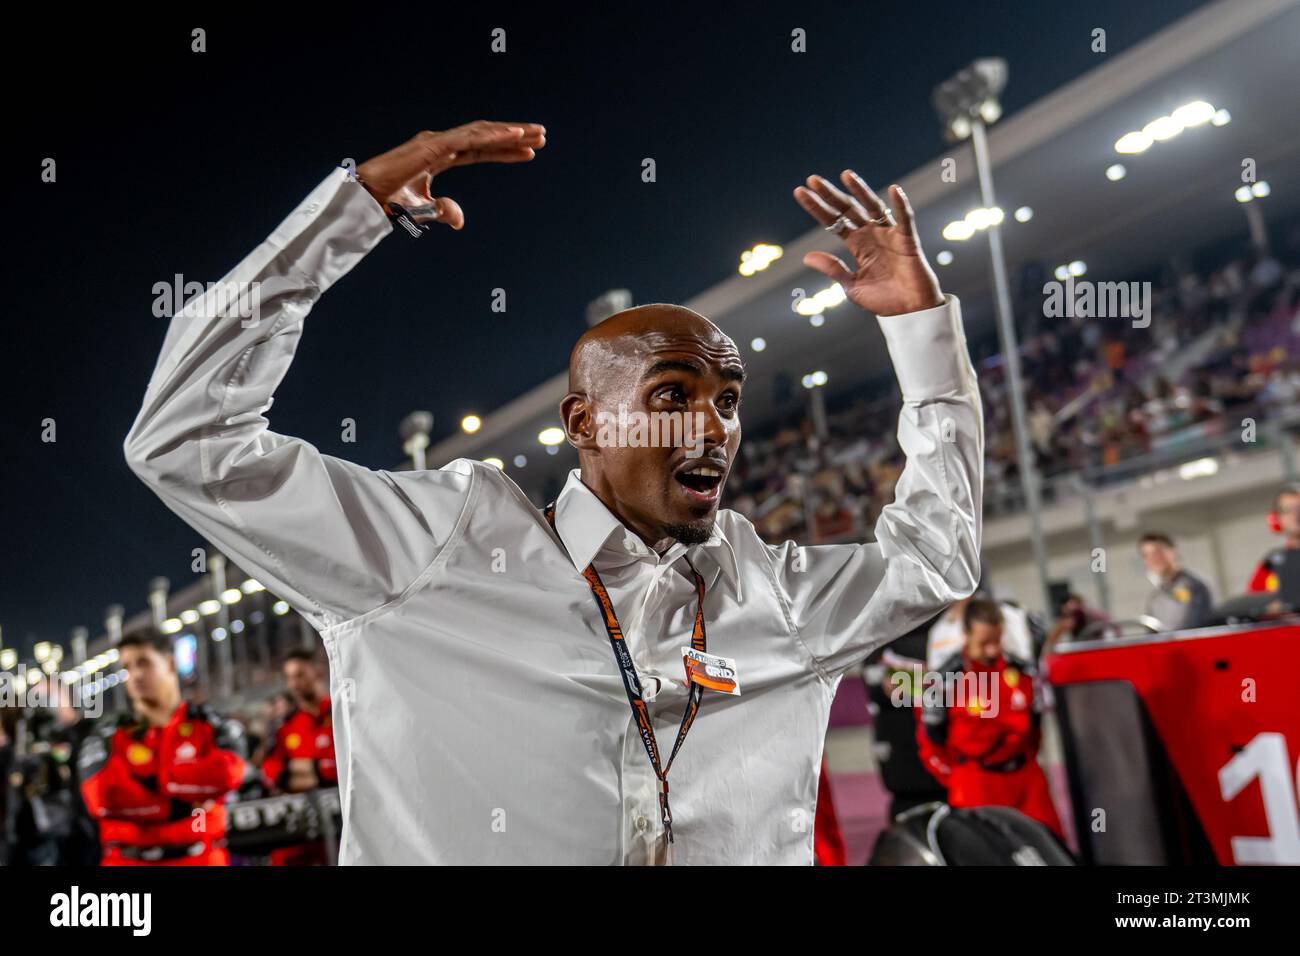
{"x":694,"y":533}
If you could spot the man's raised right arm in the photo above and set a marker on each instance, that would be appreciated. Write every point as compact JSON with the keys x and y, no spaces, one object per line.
{"x":332,"y":537}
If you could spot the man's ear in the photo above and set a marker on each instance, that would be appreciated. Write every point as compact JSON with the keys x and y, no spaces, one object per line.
{"x":580,"y":425}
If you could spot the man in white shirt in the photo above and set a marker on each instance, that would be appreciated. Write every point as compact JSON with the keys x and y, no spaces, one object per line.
{"x":502,"y":685}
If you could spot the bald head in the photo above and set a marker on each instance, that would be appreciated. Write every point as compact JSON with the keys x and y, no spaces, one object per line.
{"x":626,"y":337}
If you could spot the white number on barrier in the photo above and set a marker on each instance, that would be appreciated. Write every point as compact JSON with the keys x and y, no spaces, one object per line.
{"x":1266,"y":757}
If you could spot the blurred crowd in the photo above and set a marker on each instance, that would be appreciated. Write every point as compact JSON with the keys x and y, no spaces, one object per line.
{"x":1220,"y":347}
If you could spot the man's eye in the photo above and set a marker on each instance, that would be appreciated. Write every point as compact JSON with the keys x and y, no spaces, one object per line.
{"x":730,"y":400}
{"x":674,"y":393}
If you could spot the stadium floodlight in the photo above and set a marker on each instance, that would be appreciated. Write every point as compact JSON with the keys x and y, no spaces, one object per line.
{"x":959,"y":230}
{"x":759,"y":258}
{"x":280,"y":608}
{"x":971,"y":99}
{"x":1260,"y":189}
{"x":414,"y":432}
{"x":470,"y":424}
{"x":231,"y":596}
{"x":8,"y":658}
{"x":817,"y":320}
{"x":42,"y":652}
{"x":758,"y":343}
{"x":219,"y":634}
{"x":1163,"y":128}
{"x":944,"y":257}
{"x":521,"y":461}
{"x":189,"y":616}
{"x":1221,"y":118}
{"x":252,"y":586}
{"x":209,"y":607}
{"x":171,"y":626}
{"x":1134,"y":142}
{"x":1077,"y":268}
{"x":1024,"y":214}
{"x":1194,"y":113}
{"x":1115,"y":172}
{"x":1243,"y":194}
{"x":551,"y":436}
{"x":495,"y":462}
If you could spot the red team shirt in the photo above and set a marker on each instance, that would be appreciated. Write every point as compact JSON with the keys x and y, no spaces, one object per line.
{"x":144,"y":784}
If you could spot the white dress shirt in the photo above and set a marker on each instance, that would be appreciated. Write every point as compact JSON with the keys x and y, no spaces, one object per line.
{"x":481,"y":715}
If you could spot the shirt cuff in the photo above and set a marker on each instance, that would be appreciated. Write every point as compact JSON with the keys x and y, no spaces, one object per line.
{"x":332,"y":229}
{"x":928,"y":349}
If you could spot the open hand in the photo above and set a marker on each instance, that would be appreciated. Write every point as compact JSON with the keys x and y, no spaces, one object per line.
{"x":891,"y":275}
{"x":403,"y":175}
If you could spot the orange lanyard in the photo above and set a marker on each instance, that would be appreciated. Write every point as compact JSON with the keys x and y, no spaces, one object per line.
{"x":632,"y":683}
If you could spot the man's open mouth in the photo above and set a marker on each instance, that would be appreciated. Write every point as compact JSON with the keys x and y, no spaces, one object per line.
{"x":701,"y":479}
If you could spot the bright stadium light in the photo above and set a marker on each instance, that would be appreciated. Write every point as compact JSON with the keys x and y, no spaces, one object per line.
{"x":1077,"y":268}
{"x":943,"y":257}
{"x":1024,"y":214}
{"x":1163,"y":128}
{"x":1062,"y":273}
{"x":1243,"y":194}
{"x":470,"y":424}
{"x":971,"y":95}
{"x":817,"y":320}
{"x":496,"y":463}
{"x":1134,"y":142}
{"x":1260,"y":189}
{"x":521,"y":461}
{"x":252,"y":586}
{"x":1221,"y":118}
{"x":8,"y":658}
{"x":551,"y":436}
{"x":189,"y":616}
{"x":759,"y":258}
{"x":1200,"y":468}
{"x":219,"y":634}
{"x":236,"y":627}
{"x":280,"y":607}
{"x":231,"y":596}
{"x":1115,"y":172}
{"x":958,"y":230}
{"x":758,"y":343}
{"x":1194,"y":113}
{"x":170,"y":626}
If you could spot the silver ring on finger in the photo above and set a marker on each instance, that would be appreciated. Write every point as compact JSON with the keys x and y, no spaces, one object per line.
{"x":884,"y":219}
{"x":841,"y":225}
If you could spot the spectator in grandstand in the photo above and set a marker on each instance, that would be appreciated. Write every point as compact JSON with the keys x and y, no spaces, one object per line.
{"x":1178,"y":598}
{"x":981,"y":739}
{"x":1279,"y":563}
{"x":157,"y":779}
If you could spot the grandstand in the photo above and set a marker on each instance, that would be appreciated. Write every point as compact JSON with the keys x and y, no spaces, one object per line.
{"x":1130,"y":402}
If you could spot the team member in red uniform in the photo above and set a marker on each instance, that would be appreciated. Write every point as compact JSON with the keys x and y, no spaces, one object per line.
{"x":983,"y":742}
{"x":1284,"y":520}
{"x":303,"y":755}
{"x":157,"y":781}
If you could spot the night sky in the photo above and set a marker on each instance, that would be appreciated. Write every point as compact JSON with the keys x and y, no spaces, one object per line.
{"x":170,"y":162}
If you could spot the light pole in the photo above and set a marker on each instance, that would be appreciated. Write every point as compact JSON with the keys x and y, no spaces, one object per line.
{"x":965,"y":103}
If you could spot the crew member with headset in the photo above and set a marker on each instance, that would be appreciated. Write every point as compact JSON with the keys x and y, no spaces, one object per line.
{"x":1279,"y":571}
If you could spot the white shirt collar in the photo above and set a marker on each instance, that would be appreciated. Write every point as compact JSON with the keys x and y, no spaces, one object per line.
{"x":585,"y":526}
